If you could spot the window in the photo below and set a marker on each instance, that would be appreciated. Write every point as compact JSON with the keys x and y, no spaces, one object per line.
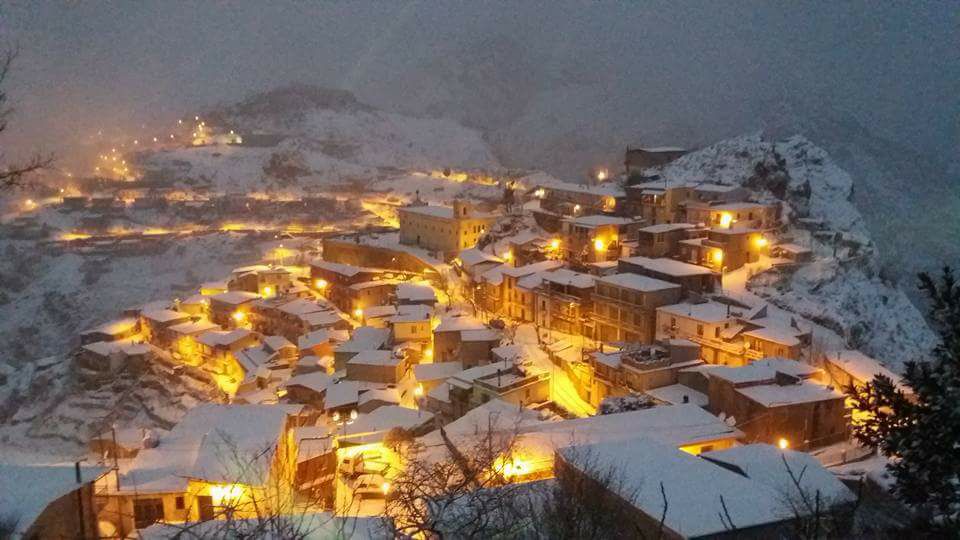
{"x":179,"y":503}
{"x":699,"y":329}
{"x":147,"y":512}
{"x":716,"y":332}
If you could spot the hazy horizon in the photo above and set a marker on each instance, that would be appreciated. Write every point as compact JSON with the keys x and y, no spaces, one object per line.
{"x":689,"y":74}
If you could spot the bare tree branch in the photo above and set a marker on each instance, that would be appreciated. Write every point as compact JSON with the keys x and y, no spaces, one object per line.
{"x":13,"y":174}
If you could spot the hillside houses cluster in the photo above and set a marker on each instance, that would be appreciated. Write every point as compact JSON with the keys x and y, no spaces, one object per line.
{"x":610,"y":299}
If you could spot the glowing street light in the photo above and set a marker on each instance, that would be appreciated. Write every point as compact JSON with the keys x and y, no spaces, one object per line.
{"x":321,"y":283}
{"x":599,"y":245}
{"x":602,"y":175}
{"x":358,"y":313}
{"x":555,"y":244}
{"x":783,"y":443}
{"x":726,"y":219}
{"x":239,"y":316}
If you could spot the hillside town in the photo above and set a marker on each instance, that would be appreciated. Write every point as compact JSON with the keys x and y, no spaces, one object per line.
{"x":546,"y":321}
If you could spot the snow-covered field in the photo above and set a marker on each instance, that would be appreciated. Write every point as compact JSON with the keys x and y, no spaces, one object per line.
{"x":331,"y":142}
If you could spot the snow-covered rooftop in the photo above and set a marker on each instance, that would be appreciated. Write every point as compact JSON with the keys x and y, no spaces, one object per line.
{"x":599,"y":220}
{"x":861,"y":366}
{"x":713,"y":312}
{"x":27,"y":490}
{"x":342,"y":393}
{"x":412,"y":313}
{"x":541,"y":266}
{"x":666,"y":227}
{"x":416,"y":292}
{"x":365,"y":338}
{"x":193,"y":327}
{"x":772,"y":467}
{"x":223,"y":338}
{"x":669,"y":266}
{"x":195,"y":448}
{"x":563,"y":276}
{"x":388,"y":417}
{"x":676,"y":424}
{"x":321,"y":336}
{"x":696,"y":490}
{"x":317,"y":381}
{"x":474,"y":256}
{"x":637,"y":282}
{"x":674,"y":394}
{"x":114,"y":328}
{"x":436,"y":370}
{"x":775,"y":395}
{"x":459,"y":324}
{"x":374,"y":358}
{"x":776,"y":334}
{"x":235,"y":298}
{"x":164,"y":315}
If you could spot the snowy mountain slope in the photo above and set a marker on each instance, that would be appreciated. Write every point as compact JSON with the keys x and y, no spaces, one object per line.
{"x":47,"y":298}
{"x":331,"y":138}
{"x":842,"y":290}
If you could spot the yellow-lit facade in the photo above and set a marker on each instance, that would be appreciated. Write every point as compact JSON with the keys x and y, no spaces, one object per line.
{"x":447,"y":230}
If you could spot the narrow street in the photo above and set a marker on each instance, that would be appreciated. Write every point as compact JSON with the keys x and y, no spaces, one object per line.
{"x":562,"y":390}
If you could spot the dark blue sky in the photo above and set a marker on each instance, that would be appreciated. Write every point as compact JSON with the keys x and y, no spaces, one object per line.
{"x":703,"y":66}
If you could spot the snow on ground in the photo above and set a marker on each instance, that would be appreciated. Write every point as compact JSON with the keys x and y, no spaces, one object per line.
{"x":48,"y":297}
{"x":734,"y":161}
{"x":871,"y":316}
{"x":844,"y":295}
{"x":562,"y":390}
{"x":334,"y":144}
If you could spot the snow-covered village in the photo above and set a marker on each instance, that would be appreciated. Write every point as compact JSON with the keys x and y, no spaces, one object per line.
{"x":300,"y":310}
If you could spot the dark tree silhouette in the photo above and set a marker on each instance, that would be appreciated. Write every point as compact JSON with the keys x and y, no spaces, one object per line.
{"x":13,"y":174}
{"x":921,"y":431}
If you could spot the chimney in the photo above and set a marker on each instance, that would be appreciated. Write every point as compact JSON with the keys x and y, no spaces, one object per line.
{"x":686,"y":398}
{"x":76,"y":469}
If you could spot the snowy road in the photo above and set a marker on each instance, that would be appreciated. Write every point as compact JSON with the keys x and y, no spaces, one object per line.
{"x":562,"y":390}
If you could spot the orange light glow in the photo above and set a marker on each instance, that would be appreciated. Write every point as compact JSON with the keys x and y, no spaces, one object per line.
{"x":599,"y":245}
{"x":783,"y":444}
{"x":555,"y":244}
{"x":726,"y":220}
{"x":321,"y":283}
{"x":239,"y":316}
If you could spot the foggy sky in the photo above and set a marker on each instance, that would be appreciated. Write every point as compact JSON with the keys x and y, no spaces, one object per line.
{"x":686,"y":72}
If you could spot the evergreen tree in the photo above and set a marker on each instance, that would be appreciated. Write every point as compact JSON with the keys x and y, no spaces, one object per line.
{"x":921,"y":432}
